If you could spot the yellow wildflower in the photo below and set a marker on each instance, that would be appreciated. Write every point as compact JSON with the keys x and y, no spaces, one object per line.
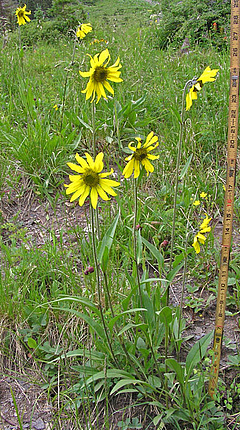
{"x":99,"y":74}
{"x":90,"y":180}
{"x":83,"y":30}
{"x":141,"y":155}
{"x":196,"y":203}
{"x":21,"y":14}
{"x":207,"y":76}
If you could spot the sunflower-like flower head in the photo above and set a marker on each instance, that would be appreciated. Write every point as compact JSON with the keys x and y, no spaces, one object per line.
{"x":199,"y":238}
{"x":99,"y":75}
{"x":141,"y":156}
{"x":22,"y":15}
{"x":207,"y":76}
{"x":90,"y":180}
{"x":83,"y":30}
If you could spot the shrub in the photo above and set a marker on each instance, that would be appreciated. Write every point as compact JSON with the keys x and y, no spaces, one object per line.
{"x":203,"y":22}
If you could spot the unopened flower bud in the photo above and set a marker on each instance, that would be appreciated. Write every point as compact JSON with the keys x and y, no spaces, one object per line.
{"x":88,"y":270}
{"x":138,"y":226}
{"x":164,"y":244}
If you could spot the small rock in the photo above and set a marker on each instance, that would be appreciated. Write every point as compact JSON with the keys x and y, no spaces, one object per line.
{"x":39,"y":424}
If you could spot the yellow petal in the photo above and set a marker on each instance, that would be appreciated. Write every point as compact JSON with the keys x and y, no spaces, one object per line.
{"x":94,"y":197}
{"x":136,"y":168}
{"x":81,"y":161}
{"x":84,"y":195}
{"x":103,"y":56}
{"x":75,"y":167}
{"x":89,"y":160}
{"x":99,"y":162}
{"x":196,"y":245}
{"x":128,"y":169}
{"x":102,"y":193}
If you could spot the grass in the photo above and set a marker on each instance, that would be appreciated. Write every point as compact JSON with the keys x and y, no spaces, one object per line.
{"x":137,"y":350}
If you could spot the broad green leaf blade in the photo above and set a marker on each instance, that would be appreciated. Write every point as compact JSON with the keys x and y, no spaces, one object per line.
{"x":108,"y":238}
{"x":155,"y":252}
{"x":129,"y":311}
{"x":177,"y":368}
{"x":197,"y":352}
{"x":32,"y":343}
{"x":186,"y":167}
{"x":109,"y":374}
{"x":165,"y":315}
{"x":88,"y":126}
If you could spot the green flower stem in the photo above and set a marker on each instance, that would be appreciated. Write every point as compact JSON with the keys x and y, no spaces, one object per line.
{"x":137,"y":266}
{"x":177,"y":180}
{"x":93,"y":130}
{"x":98,"y":285}
{"x":108,"y":301}
{"x":65,"y":85}
{"x":117,"y":127}
{"x":94,"y":155}
{"x":135,"y":239}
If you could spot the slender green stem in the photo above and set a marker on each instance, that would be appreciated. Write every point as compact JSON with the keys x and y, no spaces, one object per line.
{"x":93,"y":130}
{"x":98,"y":285}
{"x":135,"y":239}
{"x":117,"y":127}
{"x":94,"y":155}
{"x":177,"y":180}
{"x":108,"y":295}
{"x":65,"y":85}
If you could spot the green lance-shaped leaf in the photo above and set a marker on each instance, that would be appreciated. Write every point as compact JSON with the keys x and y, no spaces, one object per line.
{"x":177,"y":368}
{"x":165,"y":315}
{"x":154,"y":251}
{"x":107,"y":240}
{"x":197,"y":352}
{"x":186,"y":167}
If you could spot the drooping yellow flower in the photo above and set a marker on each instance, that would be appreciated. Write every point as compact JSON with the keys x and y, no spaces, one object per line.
{"x":141,"y":155}
{"x":203,"y":195}
{"x":83,"y":29}
{"x":55,"y":107}
{"x":22,"y":15}
{"x":99,"y":74}
{"x":199,"y":238}
{"x":90,"y":180}
{"x":196,"y":203}
{"x":207,"y":76}
{"x":204,"y":227}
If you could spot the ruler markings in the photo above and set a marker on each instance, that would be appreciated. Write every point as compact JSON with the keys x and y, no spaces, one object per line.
{"x":229,"y":192}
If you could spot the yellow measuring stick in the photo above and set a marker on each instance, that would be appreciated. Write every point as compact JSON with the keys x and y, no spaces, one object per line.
{"x":229,"y":193}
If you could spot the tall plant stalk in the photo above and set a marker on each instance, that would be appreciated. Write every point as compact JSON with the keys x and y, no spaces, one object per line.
{"x":65,"y":84}
{"x":179,"y":153}
{"x":98,"y":284}
{"x":135,"y":239}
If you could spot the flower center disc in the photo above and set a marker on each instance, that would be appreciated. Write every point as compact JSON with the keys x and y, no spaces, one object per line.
{"x":100,"y":74}
{"x":140,"y":154}
{"x":20,"y":14}
{"x":91,"y":179}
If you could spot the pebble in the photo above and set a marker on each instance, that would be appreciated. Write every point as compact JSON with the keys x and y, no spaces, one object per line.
{"x":39,"y":424}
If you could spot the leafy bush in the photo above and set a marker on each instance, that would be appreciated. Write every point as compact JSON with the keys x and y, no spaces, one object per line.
{"x":203,"y":22}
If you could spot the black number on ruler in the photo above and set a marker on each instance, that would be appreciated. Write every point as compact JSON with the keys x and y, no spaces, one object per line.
{"x":235,"y":19}
{"x":235,"y":3}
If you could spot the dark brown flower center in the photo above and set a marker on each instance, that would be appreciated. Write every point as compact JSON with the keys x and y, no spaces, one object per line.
{"x":140,"y":154}
{"x":21,"y":14}
{"x":91,"y":178}
{"x":100,"y":74}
